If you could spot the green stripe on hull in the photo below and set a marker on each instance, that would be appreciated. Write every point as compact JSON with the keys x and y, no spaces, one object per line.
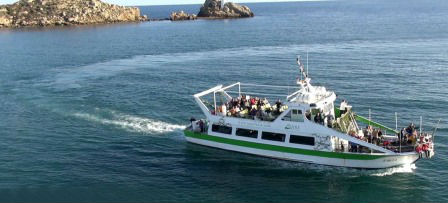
{"x":276,"y":148}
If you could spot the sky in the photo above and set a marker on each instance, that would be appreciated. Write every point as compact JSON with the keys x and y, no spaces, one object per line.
{"x":162,"y":2}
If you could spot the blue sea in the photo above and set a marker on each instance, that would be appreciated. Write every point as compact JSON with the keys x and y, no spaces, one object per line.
{"x":95,"y":113}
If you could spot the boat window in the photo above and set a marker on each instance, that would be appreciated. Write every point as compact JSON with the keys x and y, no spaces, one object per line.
{"x":297,"y":139}
{"x":273,"y":136}
{"x":222,"y":129}
{"x":246,"y":133}
{"x":294,"y":115}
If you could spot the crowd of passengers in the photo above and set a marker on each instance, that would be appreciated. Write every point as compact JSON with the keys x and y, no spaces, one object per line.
{"x":407,"y":137}
{"x":370,"y":135}
{"x":246,"y":106}
{"x":256,"y":108}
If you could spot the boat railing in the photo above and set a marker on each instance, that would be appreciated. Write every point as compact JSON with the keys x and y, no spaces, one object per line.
{"x":223,"y":94}
{"x":356,"y":148}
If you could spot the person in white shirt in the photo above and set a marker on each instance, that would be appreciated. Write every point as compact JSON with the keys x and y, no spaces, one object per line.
{"x":223,"y":110}
{"x":343,"y":107}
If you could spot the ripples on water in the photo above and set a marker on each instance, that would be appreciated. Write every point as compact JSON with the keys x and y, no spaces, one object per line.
{"x":96,"y":113}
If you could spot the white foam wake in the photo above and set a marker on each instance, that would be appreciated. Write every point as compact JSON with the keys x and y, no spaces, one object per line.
{"x":132,"y":123}
{"x":409,"y":168}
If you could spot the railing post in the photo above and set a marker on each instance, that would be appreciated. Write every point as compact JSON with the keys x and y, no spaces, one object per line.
{"x":239,"y":89}
{"x":214,"y":100}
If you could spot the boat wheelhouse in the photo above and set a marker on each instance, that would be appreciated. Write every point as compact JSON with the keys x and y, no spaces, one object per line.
{"x":305,"y":127}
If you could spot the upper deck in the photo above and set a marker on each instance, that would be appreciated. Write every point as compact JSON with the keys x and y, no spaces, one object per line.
{"x":263,"y":102}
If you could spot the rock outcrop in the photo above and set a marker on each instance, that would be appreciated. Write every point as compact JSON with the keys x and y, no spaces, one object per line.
{"x":215,"y":9}
{"x":65,"y":12}
{"x":181,"y":15}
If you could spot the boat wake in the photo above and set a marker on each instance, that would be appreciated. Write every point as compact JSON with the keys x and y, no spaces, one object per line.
{"x":74,"y":77}
{"x":132,"y":123}
{"x":400,"y":169}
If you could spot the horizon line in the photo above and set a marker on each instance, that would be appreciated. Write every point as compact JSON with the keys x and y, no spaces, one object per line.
{"x":244,"y":2}
{"x":175,"y":4}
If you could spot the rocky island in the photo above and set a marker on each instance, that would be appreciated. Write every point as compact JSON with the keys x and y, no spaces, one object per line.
{"x":215,"y":9}
{"x":65,"y":12}
{"x":181,"y":15}
{"x":219,"y":9}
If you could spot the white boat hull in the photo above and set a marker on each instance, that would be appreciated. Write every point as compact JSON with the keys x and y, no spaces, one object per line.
{"x":384,"y":162}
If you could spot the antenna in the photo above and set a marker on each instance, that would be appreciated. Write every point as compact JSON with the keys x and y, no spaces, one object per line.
{"x":300,"y":64}
{"x":306,"y":62}
{"x":421,"y":121}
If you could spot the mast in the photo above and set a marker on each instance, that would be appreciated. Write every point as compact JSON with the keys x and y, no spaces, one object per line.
{"x":396,"y":121}
{"x":370,"y":117}
{"x":421,"y":121}
{"x":307,"y":63}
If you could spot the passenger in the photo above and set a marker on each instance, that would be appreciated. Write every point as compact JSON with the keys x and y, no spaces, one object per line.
{"x":330,"y":119}
{"x":258,"y":101}
{"x":414,"y":137}
{"x":201,"y":126}
{"x":343,"y":107}
{"x":380,"y":134}
{"x":369,"y":131}
{"x":253,"y":112}
{"x":353,"y":147}
{"x":425,"y":148}
{"x":308,"y":115}
{"x":278,"y":105}
{"x":374,"y":136}
{"x":247,"y":105}
{"x":318,"y":118}
{"x":223,"y":110}
{"x":267,"y":108}
{"x":259,"y":104}
{"x":419,"y":150}
{"x":237,"y":108}
{"x":411,"y":139}
{"x":242,"y":100}
{"x":192,"y":119}
{"x":365,"y":131}
{"x":410,"y":129}
{"x":231,"y":103}
{"x":321,"y":119}
{"x":252,"y":101}
{"x":265,"y":101}
{"x":401,"y":135}
{"x":233,"y":111}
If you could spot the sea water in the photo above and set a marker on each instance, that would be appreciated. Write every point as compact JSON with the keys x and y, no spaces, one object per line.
{"x":95,"y":113}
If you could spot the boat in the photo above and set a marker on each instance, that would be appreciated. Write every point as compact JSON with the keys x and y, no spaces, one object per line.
{"x":306,"y":127}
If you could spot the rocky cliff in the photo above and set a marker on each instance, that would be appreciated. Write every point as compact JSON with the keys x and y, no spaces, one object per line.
{"x":65,"y":12}
{"x":181,"y":15}
{"x":215,"y":9}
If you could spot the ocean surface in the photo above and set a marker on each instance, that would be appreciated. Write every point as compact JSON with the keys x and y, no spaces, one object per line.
{"x":95,"y":113}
